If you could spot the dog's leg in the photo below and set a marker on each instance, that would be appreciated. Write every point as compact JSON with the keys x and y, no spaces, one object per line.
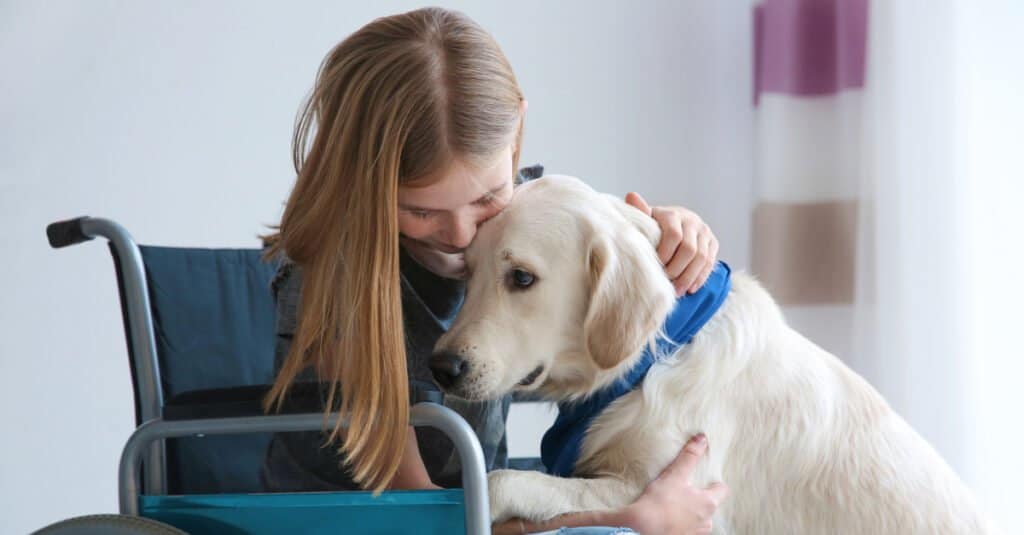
{"x":537,"y":496}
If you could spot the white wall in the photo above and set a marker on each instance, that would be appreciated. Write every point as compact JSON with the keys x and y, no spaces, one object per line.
{"x":175,"y":120}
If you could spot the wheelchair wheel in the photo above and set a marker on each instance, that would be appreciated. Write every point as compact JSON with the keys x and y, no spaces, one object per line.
{"x":109,"y":525}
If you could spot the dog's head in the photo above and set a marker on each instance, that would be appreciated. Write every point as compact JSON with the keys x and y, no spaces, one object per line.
{"x":565,"y":289}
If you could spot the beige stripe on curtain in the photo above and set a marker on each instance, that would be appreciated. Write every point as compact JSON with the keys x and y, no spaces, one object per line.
{"x":804,"y":253}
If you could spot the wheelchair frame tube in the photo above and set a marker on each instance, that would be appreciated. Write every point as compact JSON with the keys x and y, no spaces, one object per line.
{"x":140,"y":325}
{"x":474,"y":474}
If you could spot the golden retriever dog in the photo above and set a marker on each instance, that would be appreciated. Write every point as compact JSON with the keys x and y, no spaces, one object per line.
{"x":565,"y":291}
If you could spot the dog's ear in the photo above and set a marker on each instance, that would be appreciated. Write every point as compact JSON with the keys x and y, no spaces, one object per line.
{"x":629,"y":296}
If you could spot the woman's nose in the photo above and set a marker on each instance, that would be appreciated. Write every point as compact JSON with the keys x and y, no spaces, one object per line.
{"x":462,"y":231}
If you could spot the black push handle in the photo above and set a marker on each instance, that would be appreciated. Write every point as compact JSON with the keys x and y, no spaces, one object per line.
{"x":65,"y":233}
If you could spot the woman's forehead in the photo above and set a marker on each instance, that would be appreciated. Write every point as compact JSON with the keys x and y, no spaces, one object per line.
{"x":459,"y":183}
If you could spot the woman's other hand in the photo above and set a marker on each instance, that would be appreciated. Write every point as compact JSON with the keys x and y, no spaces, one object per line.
{"x":671,"y":504}
{"x":688,"y":248}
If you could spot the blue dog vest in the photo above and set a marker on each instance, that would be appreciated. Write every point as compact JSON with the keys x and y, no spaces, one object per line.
{"x":560,"y":448}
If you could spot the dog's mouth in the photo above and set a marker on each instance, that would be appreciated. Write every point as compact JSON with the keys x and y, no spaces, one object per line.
{"x":529,"y":379}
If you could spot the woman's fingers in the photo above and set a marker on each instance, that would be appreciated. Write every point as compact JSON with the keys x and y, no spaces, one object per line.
{"x":686,"y":461}
{"x":709,"y":266}
{"x":636,"y":201}
{"x":697,"y":264}
{"x":672,"y":234}
{"x":508,"y":527}
{"x":686,"y":254}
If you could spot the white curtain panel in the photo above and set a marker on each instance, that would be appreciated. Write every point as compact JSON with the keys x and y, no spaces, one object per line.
{"x":989,"y":154}
{"x":888,"y":181}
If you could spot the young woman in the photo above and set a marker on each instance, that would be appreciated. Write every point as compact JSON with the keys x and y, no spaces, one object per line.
{"x":409,"y":140}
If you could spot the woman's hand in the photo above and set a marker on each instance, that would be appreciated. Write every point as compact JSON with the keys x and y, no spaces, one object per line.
{"x":671,"y":504}
{"x":688,"y":248}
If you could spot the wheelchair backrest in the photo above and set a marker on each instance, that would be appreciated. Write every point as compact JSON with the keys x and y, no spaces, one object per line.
{"x":213,"y":318}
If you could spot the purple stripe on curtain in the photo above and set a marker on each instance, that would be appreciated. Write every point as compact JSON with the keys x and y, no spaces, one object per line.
{"x":809,"y":47}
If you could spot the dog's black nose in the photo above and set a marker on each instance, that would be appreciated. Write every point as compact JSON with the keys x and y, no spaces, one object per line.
{"x":447,"y":368}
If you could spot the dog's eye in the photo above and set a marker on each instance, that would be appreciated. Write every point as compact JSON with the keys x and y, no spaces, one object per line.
{"x":521,"y":278}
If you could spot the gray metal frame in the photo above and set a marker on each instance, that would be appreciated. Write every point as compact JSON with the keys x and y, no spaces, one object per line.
{"x":474,"y":474}
{"x":141,"y":338}
{"x":147,"y":442}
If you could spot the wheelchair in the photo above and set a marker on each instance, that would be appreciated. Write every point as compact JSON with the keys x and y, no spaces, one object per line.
{"x":199,"y":327}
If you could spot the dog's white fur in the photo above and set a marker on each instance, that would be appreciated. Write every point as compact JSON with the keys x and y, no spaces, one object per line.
{"x":805,"y":444}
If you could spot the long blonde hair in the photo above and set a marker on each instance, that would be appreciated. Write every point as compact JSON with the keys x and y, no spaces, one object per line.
{"x":397,"y":100}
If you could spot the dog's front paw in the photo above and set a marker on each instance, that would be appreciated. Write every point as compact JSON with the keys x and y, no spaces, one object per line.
{"x":507,"y":488}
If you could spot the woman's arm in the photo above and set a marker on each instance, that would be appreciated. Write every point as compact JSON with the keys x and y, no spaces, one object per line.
{"x":412,"y":474}
{"x":669,"y":505}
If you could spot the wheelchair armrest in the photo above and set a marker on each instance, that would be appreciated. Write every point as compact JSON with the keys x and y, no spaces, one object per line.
{"x":474,"y":475}
{"x":243,"y":401}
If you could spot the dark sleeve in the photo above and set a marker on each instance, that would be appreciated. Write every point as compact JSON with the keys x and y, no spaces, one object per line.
{"x":527,"y":174}
{"x":286,"y":288}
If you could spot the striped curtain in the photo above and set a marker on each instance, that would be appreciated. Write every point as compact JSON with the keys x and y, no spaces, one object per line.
{"x":809,"y":71}
{"x":887,"y":219}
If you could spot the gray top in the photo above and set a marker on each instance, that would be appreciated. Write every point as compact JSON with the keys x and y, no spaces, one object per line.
{"x":296,"y":461}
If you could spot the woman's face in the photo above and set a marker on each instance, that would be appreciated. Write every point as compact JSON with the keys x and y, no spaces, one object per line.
{"x":438,"y":221}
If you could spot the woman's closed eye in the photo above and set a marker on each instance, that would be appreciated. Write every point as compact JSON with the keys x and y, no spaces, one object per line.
{"x":421,"y":214}
{"x":486,"y":200}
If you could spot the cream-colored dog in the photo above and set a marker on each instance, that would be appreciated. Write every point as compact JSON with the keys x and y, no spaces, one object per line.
{"x":566,"y":290}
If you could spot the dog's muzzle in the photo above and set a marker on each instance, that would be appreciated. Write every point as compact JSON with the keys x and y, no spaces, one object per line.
{"x":447,"y":368}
